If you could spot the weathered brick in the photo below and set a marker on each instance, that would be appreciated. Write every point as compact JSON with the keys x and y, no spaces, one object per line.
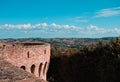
{"x":32,"y":57}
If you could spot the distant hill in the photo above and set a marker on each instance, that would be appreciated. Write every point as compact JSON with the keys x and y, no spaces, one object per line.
{"x":63,"y":42}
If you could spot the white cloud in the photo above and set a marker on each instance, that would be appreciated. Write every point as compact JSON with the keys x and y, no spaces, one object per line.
{"x":117,"y":30}
{"x":67,"y":26}
{"x":71,"y":30}
{"x":92,"y":27}
{"x":36,"y":25}
{"x":18,"y":26}
{"x":44,"y":25}
{"x":23,"y":26}
{"x":108,"y":12}
{"x":54,"y":25}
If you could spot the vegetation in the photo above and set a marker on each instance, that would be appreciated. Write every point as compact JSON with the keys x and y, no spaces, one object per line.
{"x":90,"y":63}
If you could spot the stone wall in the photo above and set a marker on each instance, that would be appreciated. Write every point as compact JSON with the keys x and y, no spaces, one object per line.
{"x":32,"y":57}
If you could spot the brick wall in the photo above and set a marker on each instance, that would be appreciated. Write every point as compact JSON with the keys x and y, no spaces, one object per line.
{"x":32,"y":57}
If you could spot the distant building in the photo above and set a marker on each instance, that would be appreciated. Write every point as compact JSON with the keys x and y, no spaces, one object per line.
{"x":32,"y":57}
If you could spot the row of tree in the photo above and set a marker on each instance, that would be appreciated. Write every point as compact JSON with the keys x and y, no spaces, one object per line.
{"x":90,"y":63}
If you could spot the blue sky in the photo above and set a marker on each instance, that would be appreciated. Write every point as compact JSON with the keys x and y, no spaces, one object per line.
{"x":59,"y":18}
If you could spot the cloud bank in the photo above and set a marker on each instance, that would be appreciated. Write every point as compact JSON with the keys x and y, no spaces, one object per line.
{"x":56,"y":30}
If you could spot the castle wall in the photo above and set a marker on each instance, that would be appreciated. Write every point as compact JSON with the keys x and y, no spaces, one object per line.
{"x":32,"y":57}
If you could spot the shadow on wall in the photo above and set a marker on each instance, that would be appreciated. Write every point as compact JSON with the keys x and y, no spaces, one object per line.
{"x":33,"y":69}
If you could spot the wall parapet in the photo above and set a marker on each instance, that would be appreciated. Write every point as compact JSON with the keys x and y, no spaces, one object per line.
{"x":33,"y":57}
